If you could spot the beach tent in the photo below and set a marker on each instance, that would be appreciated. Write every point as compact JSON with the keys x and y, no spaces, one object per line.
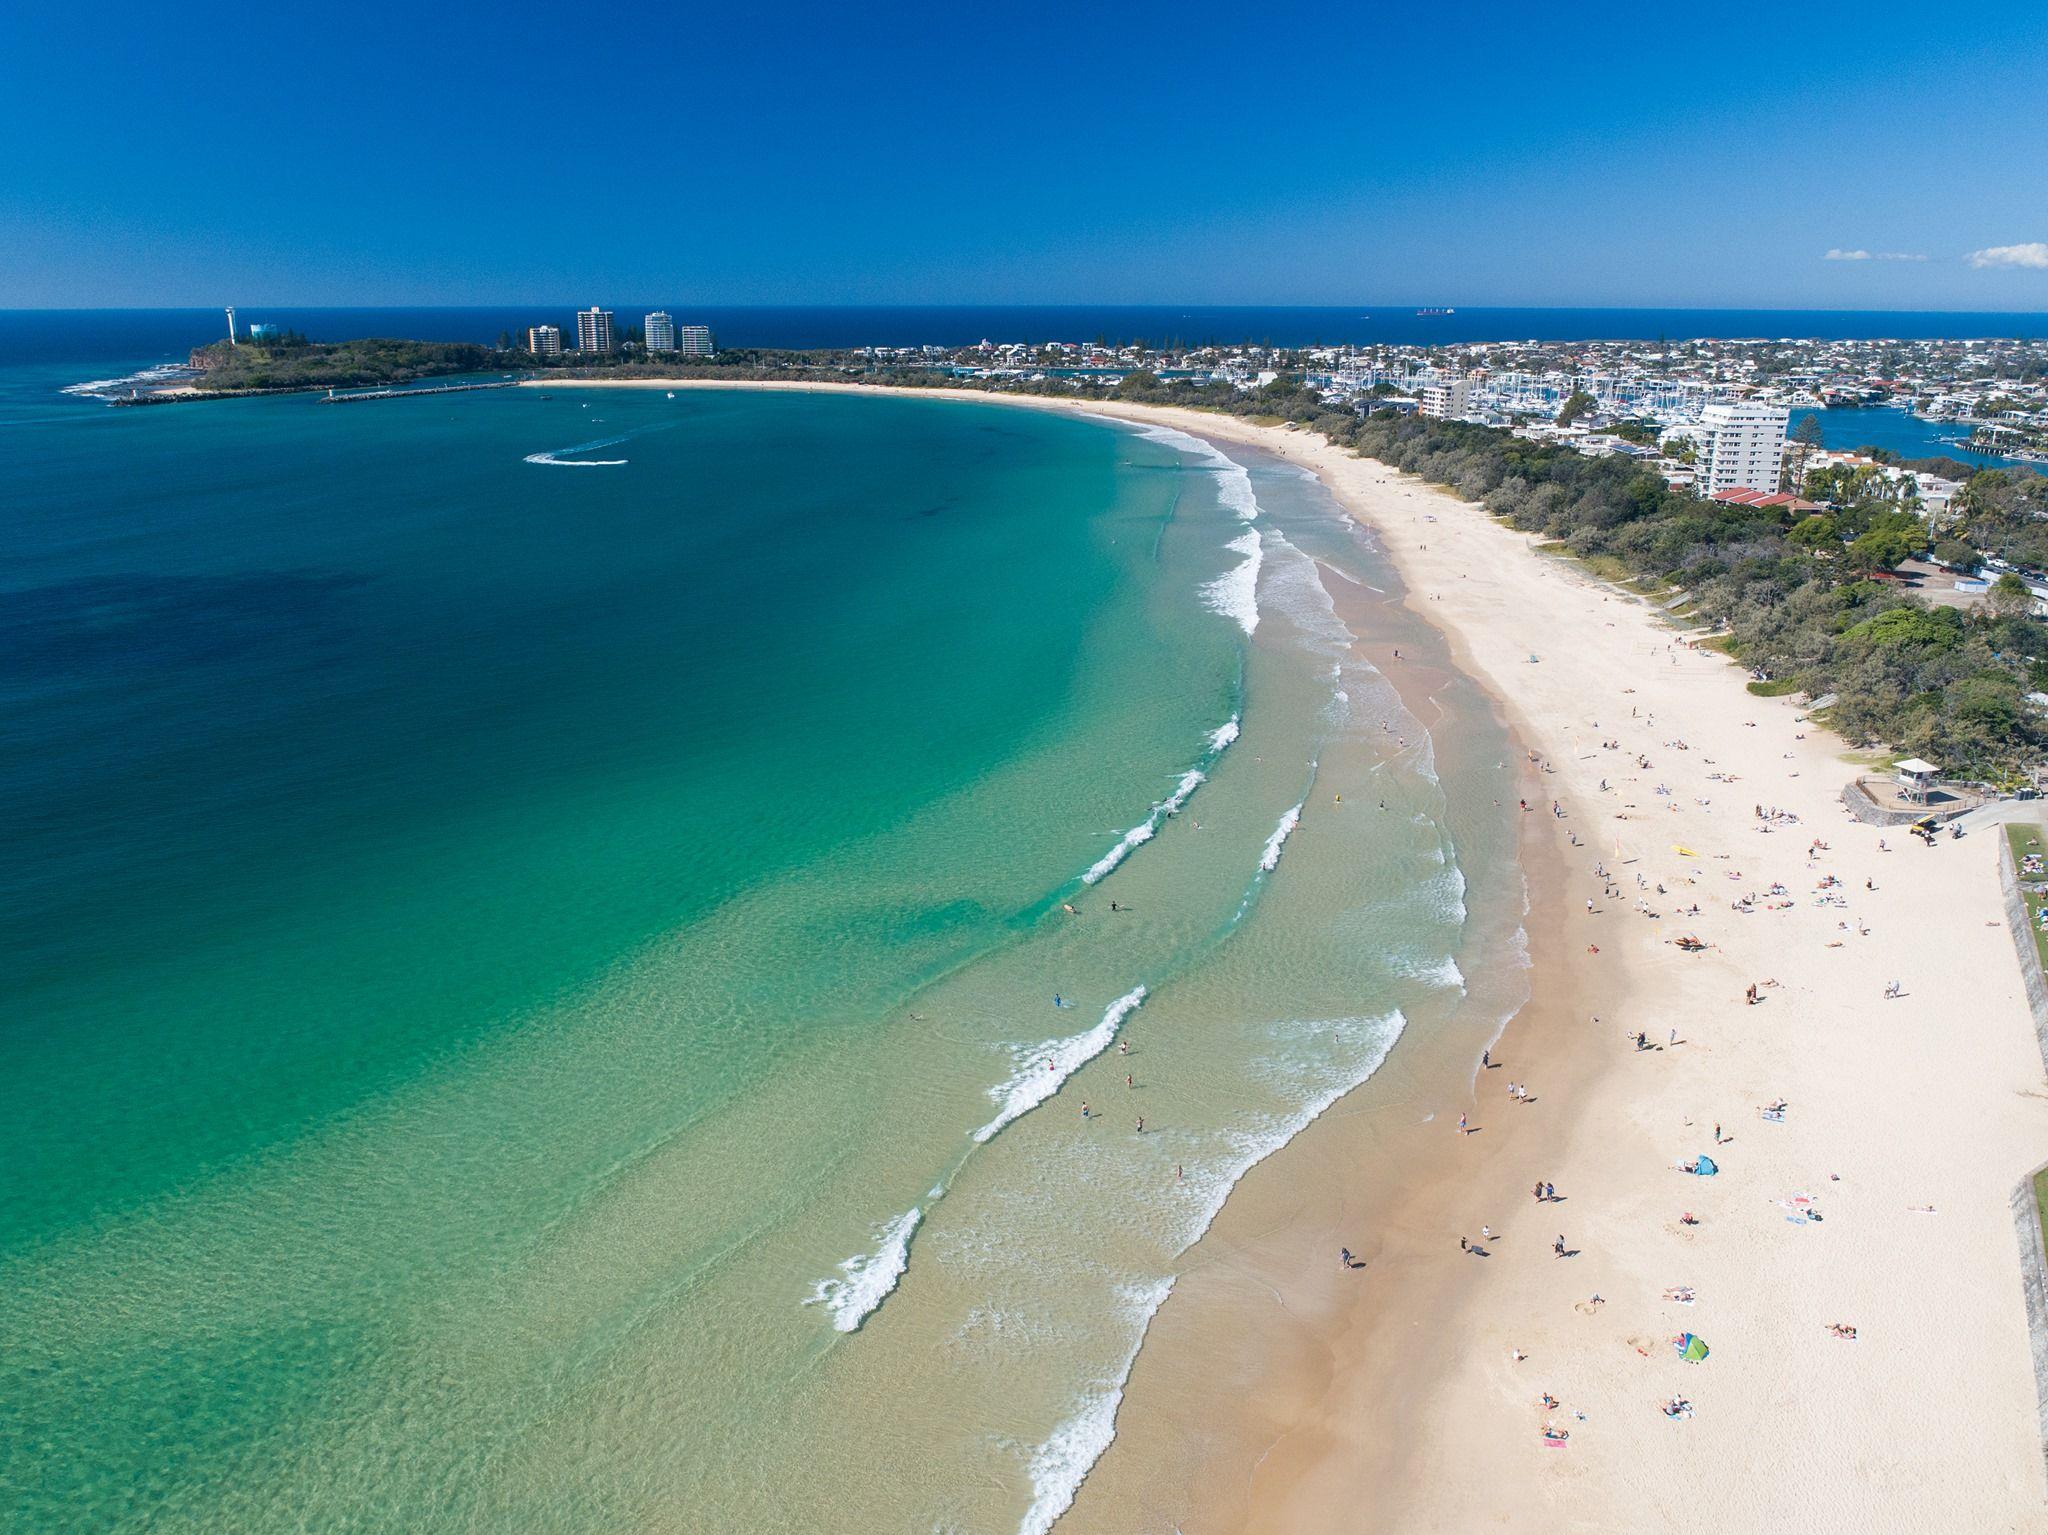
{"x":1704,"y":1167}
{"x":1691,"y":1347}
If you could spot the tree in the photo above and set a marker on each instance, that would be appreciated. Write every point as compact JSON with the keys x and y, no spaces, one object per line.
{"x":1879,"y":549}
{"x":2009,"y":596}
{"x":1576,"y":406}
{"x":1814,"y":535}
{"x":1807,"y":435}
{"x":1957,"y":555}
{"x":504,"y":341}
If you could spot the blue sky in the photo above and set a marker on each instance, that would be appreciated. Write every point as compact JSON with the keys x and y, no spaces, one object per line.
{"x":1473,"y":154}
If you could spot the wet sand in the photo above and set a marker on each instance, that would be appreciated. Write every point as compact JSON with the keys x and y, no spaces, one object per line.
{"x":1279,"y":1392}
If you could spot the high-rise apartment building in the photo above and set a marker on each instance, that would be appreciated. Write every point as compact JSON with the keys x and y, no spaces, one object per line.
{"x":544,"y":340}
{"x":660,"y":328}
{"x":1445,"y":398}
{"x":593,"y":329}
{"x":695,"y":341}
{"x":1740,"y":446}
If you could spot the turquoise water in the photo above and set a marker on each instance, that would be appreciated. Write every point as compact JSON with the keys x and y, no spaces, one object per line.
{"x":532,"y":982}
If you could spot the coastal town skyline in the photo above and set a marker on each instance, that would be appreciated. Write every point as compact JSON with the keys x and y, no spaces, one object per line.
{"x":1571,"y":161}
{"x":1024,"y":770}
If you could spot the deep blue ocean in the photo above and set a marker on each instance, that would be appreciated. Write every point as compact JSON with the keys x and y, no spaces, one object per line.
{"x":148,"y":335}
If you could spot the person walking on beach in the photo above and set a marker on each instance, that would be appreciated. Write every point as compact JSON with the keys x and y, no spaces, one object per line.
{"x":1537,"y":1193}
{"x":1550,"y":1191}
{"x":1461,"y":1125}
{"x":1141,"y":1124}
{"x":1558,"y":1246}
{"x":1084,"y":1108}
{"x":1344,"y":1256}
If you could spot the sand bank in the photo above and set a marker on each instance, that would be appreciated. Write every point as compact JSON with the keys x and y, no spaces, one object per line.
{"x":1391,"y":1397}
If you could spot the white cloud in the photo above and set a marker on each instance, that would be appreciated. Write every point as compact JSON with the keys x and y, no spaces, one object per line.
{"x":1861,"y":255}
{"x":2033,"y":255}
{"x":1837,"y":255}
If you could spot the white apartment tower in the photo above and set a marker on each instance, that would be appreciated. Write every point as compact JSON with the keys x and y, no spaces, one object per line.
{"x":660,"y":331}
{"x":593,"y":329}
{"x":544,"y":340}
{"x":695,"y":341}
{"x":1741,"y":447}
{"x":1446,"y":398}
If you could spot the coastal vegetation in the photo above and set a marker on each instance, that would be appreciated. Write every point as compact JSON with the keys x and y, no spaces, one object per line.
{"x":292,"y":362}
{"x":1809,"y":603}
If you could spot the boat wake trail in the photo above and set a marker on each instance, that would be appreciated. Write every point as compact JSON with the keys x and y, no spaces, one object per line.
{"x":1042,"y":1069}
{"x":554,"y":457}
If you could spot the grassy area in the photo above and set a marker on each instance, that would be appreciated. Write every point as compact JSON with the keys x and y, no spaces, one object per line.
{"x":1777,"y":687}
{"x":2026,"y":837}
{"x":2041,"y":1200}
{"x":1604,"y":567}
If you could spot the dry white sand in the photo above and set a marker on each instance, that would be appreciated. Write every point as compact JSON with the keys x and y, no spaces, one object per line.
{"x":1909,"y":1123}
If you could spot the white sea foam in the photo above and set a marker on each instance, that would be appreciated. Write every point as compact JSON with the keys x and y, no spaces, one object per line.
{"x":1372,"y":1039}
{"x":1270,"y":858}
{"x":1146,"y":829}
{"x":554,"y":456}
{"x":1235,"y":593}
{"x":1062,"y":1463}
{"x":1442,"y":972}
{"x":1233,"y":481}
{"x":1042,"y":1069}
{"x":866,"y":1279}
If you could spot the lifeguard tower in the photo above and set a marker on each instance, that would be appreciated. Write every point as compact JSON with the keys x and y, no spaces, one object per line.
{"x":1917,"y":780}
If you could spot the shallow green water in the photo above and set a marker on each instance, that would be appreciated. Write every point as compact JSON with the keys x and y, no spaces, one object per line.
{"x":508,"y":959}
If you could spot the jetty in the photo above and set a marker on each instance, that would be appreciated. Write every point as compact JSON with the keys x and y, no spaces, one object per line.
{"x":335,"y":397}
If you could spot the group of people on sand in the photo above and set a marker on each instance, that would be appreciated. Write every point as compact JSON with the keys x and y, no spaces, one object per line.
{"x":1766,"y":817}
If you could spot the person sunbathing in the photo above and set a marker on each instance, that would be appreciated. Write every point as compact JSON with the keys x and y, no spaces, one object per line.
{"x":1842,"y":1330}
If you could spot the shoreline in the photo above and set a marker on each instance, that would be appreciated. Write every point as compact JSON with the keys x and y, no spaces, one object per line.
{"x":1392,"y":1398}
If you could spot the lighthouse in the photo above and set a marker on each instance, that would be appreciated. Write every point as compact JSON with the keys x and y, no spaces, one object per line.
{"x":231,"y":325}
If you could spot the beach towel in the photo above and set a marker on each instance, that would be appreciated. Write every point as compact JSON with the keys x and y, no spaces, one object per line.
{"x":1691,"y":1347}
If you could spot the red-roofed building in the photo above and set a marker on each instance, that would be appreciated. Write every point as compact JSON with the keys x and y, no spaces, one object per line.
{"x":1773,"y":500}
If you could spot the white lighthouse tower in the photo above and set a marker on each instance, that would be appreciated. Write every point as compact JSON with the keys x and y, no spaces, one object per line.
{"x":231,"y":325}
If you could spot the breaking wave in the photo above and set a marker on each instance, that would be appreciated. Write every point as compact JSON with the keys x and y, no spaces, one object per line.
{"x":1269,"y":860}
{"x":1146,"y":829}
{"x":1374,"y":1039}
{"x":1060,"y":1465}
{"x":1043,"y":1069}
{"x":1235,"y":593}
{"x":866,"y":1279}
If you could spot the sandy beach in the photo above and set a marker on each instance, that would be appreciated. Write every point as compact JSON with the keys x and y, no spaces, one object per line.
{"x":1412,"y":1394}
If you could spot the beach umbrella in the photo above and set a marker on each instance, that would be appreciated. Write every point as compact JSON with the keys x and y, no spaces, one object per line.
{"x":1703,"y":1167}
{"x":1691,"y":1347}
